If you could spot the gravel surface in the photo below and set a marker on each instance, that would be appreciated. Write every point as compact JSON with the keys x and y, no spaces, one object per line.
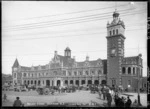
{"x":78,"y":97}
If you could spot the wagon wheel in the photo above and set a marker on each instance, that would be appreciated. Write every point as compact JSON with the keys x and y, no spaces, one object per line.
{"x":46,"y":91}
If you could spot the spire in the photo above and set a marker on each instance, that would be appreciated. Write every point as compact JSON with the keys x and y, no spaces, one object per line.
{"x":16,"y":63}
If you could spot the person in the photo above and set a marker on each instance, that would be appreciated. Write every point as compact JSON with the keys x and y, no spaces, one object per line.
{"x":109,"y":99}
{"x":100,"y":93}
{"x":17,"y":102}
{"x":129,"y":102}
{"x":5,"y":97}
{"x":122,"y":102}
{"x":135,"y":103}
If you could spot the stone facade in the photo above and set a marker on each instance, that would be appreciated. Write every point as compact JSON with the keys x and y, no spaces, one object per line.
{"x":117,"y":70}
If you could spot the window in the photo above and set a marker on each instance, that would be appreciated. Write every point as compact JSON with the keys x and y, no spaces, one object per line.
{"x":14,"y":75}
{"x":129,"y":82}
{"x":24,"y":74}
{"x":75,"y":73}
{"x":80,"y":72}
{"x":92,"y":73}
{"x":69,"y":73}
{"x":116,"y":31}
{"x":64,"y":73}
{"x":113,"y":32}
{"x":110,"y":33}
{"x":99,"y":72}
{"x":144,"y":85}
{"x":129,"y":70}
{"x":123,"y":70}
{"x":87,"y":73}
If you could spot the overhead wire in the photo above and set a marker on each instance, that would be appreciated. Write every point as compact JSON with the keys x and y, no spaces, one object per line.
{"x":68,"y":22}
{"x":76,"y":12}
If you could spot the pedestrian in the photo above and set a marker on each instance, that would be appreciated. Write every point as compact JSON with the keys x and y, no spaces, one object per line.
{"x":17,"y":102}
{"x":109,"y":99}
{"x":100,"y":93}
{"x":116,"y":100}
{"x":122,"y":102}
{"x":104,"y":94}
{"x":135,"y":103}
{"x":129,"y":102}
{"x":5,"y":97}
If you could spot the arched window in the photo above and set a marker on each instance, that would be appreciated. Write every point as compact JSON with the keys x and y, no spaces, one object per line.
{"x":24,"y":74}
{"x":110,"y":33}
{"x":116,"y":31}
{"x":113,"y":32}
{"x":129,"y":70}
{"x":123,"y":70}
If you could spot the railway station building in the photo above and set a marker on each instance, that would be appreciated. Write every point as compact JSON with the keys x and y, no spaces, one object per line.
{"x":116,"y":70}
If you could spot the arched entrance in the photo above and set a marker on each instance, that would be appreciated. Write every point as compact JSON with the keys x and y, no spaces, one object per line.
{"x":103,"y":82}
{"x":89,"y":82}
{"x":58,"y":82}
{"x":71,"y":81}
{"x":47,"y":82}
{"x":83,"y":82}
{"x":77,"y":82}
{"x":96,"y":82}
{"x":66,"y":82}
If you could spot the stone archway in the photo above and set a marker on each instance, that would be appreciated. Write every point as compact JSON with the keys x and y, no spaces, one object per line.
{"x":77,"y":82}
{"x":58,"y":82}
{"x":71,"y":81}
{"x":104,"y":82}
{"x":83,"y":82}
{"x":96,"y":82}
{"x":66,"y":82}
{"x":47,"y":82}
{"x":89,"y":82}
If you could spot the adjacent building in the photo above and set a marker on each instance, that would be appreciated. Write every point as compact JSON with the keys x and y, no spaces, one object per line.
{"x":116,"y":70}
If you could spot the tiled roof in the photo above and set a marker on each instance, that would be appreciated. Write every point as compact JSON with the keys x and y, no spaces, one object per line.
{"x":25,"y":68}
{"x":16,"y":63}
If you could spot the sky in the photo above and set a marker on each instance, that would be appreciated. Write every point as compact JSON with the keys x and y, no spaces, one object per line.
{"x":33,"y":30}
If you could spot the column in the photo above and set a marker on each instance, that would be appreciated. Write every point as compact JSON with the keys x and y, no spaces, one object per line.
{"x":131,"y":70}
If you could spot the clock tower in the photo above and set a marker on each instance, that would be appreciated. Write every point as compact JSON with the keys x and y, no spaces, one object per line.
{"x":115,"y":50}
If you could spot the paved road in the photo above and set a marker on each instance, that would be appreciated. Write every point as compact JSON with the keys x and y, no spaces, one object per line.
{"x":78,"y":97}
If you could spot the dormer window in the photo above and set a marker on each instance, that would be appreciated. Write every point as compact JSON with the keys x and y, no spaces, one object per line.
{"x":113,"y":32}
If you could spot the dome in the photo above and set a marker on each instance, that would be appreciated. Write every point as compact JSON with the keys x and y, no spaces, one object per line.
{"x":67,"y":49}
{"x":115,"y":14}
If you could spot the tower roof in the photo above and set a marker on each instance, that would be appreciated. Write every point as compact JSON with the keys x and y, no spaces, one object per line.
{"x":16,"y":63}
{"x":116,"y":14}
{"x":67,"y":49}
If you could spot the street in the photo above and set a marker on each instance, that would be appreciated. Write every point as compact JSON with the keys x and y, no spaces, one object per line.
{"x":84,"y":97}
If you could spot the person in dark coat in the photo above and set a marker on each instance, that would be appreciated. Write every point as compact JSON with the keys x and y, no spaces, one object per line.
{"x":109,"y":99}
{"x":129,"y":102}
{"x":116,"y":100}
{"x":17,"y":102}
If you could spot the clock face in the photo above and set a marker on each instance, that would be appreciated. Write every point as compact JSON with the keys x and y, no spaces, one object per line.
{"x":113,"y":52}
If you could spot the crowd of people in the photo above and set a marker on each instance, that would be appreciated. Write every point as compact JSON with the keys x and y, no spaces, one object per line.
{"x":105,"y":93}
{"x":110,"y":94}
